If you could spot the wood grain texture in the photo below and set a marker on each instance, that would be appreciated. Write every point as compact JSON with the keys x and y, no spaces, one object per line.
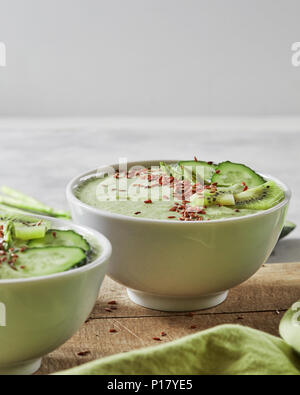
{"x":258,"y":303}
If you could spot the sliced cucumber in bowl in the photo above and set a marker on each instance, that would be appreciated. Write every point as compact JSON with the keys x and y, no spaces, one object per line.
{"x":67,"y":238}
{"x":28,"y":248}
{"x":35,"y":262}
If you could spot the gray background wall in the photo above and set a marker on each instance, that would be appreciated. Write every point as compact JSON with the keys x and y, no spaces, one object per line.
{"x":149,"y":57}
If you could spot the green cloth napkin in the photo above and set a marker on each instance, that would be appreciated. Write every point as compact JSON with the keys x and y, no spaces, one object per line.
{"x":225,"y":349}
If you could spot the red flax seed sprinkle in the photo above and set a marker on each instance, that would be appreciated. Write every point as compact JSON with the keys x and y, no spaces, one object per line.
{"x":149,"y":201}
{"x":54,"y":234}
{"x":172,"y":216}
{"x":137,"y":213}
{"x":112,"y":302}
{"x":193,"y":326}
{"x":195,"y":159}
{"x":112,"y":330}
{"x":158,"y":339}
{"x":218,"y":171}
{"x":163,"y":334}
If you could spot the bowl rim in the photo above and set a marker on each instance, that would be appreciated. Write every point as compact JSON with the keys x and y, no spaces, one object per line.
{"x":105,"y":253}
{"x":71,"y":198}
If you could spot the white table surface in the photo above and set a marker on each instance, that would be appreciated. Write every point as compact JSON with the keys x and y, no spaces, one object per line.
{"x":39,"y":157}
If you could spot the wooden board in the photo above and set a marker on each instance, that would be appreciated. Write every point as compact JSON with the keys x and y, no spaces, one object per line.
{"x":259,"y":303}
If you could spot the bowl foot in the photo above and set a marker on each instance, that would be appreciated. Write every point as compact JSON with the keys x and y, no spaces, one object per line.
{"x":171,"y":303}
{"x":24,"y":368}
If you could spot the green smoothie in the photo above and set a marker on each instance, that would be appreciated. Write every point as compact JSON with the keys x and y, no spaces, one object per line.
{"x":183,"y":191}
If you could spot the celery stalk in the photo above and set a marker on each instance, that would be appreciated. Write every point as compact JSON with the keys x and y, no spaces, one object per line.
{"x":21,"y":201}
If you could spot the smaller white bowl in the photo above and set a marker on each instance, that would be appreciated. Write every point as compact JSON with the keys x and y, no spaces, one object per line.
{"x":39,"y":314}
{"x":182,"y":266}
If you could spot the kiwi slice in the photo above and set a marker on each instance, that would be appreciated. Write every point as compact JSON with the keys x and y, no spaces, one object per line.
{"x":207,"y":198}
{"x":236,"y":188}
{"x":261,"y":197}
{"x":218,"y":197}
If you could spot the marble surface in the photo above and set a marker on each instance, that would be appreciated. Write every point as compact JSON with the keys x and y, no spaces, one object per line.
{"x":40,"y":157}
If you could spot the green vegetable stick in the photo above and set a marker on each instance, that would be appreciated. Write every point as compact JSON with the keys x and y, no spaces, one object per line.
{"x":8,"y":212}
{"x":21,"y":196}
{"x":35,"y":204}
{"x":29,"y":206}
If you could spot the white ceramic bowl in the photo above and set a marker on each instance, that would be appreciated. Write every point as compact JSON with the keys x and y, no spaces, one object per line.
{"x":39,"y":314}
{"x":182,"y":266}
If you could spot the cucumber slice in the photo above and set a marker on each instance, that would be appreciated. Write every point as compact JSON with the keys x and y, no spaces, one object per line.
{"x":28,"y":232}
{"x":287,"y":229}
{"x":67,"y":238}
{"x":205,"y":170}
{"x":171,"y":170}
{"x":228,"y":173}
{"x":49,"y":260}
